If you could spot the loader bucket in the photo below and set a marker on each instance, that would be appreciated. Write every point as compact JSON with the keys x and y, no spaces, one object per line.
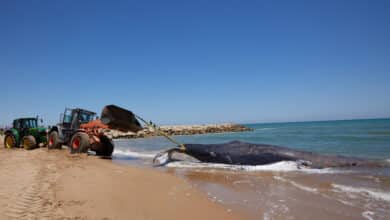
{"x":120,"y":119}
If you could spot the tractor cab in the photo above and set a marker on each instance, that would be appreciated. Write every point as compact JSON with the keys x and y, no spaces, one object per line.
{"x":23,"y":125}
{"x":73,"y":118}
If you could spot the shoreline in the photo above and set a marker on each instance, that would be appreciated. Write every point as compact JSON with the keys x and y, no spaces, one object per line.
{"x":57,"y":185}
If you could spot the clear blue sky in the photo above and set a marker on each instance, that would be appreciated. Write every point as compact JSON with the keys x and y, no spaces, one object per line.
{"x":197,"y":61}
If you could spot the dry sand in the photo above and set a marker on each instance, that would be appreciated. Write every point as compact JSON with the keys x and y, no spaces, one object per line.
{"x":42,"y":184}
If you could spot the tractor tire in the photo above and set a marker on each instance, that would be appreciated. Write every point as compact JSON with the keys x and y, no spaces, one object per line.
{"x":29,"y":142}
{"x":54,"y":141}
{"x":79,"y":143}
{"x":106,"y":147}
{"x":10,"y":141}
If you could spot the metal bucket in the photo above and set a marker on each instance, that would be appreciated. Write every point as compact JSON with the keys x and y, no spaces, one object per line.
{"x":120,"y":119}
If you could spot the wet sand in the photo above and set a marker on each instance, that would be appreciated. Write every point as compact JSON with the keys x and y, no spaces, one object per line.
{"x":42,"y":184}
{"x":339,"y":194}
{"x":295,"y":195}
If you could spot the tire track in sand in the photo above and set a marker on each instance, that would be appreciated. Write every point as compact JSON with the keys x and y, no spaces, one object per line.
{"x":27,"y":180}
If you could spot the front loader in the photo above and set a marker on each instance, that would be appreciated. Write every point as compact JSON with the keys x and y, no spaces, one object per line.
{"x":81,"y":130}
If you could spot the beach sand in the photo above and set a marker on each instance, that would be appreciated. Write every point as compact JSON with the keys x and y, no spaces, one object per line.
{"x":42,"y":184}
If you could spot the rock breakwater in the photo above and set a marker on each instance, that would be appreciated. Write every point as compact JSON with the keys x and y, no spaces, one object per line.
{"x":180,"y":130}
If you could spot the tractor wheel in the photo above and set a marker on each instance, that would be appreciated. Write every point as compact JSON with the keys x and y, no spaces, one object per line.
{"x":29,"y":142}
{"x":79,"y":143}
{"x":106,"y":146}
{"x":10,"y":141}
{"x":54,"y":142}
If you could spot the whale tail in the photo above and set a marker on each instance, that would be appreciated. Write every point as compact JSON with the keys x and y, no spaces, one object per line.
{"x":165,"y":157}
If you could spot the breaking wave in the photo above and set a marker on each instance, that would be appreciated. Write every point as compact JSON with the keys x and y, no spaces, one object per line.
{"x":368,"y":215}
{"x":297,"y":185}
{"x":264,"y":129}
{"x":128,"y":153}
{"x":375,"y":194}
{"x":282,"y":166}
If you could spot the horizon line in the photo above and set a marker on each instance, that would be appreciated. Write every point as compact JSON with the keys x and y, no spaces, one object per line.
{"x":329,"y":120}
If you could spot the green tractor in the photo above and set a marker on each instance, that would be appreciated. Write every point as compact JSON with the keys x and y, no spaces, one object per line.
{"x":25,"y":132}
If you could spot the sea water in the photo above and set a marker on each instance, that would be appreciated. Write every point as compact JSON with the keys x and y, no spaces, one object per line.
{"x":283,"y":190}
{"x":357,"y":138}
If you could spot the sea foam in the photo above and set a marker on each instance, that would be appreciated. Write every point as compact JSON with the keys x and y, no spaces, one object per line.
{"x":297,"y":185}
{"x":375,"y":194}
{"x":128,"y":153}
{"x":282,"y":166}
{"x":368,"y":215}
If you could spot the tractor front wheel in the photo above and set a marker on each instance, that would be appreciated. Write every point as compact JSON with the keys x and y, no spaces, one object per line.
{"x":54,"y":142}
{"x":106,"y":147}
{"x":79,"y":143}
{"x":10,"y":141}
{"x":29,"y":142}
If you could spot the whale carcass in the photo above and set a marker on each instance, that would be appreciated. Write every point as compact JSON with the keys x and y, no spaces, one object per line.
{"x":242,"y":153}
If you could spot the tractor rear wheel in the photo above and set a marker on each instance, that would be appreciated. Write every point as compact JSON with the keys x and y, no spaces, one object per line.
{"x":10,"y":141}
{"x":54,"y":142}
{"x":106,"y":146}
{"x":29,"y":142}
{"x":79,"y":143}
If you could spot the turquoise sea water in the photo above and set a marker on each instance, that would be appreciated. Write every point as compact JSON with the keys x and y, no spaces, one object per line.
{"x":369,"y":138}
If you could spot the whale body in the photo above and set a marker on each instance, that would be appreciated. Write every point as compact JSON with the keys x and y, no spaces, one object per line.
{"x":242,"y":153}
